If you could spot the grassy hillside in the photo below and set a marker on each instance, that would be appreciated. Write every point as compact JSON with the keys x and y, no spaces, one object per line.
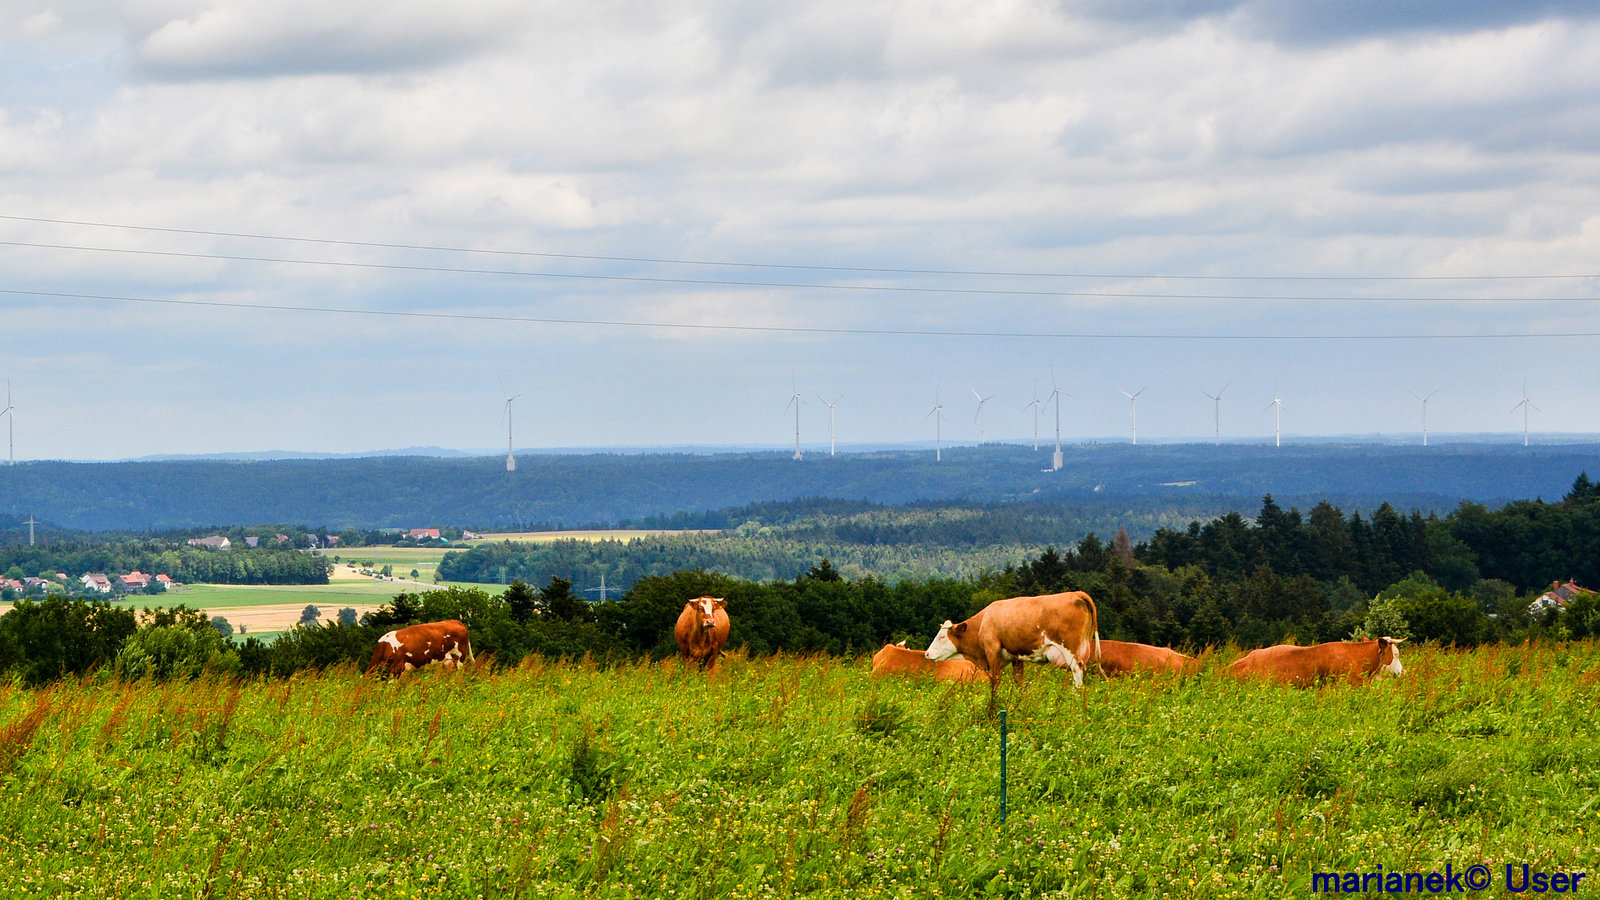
{"x":784,"y":776}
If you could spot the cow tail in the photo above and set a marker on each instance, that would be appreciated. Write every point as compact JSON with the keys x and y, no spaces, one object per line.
{"x":1094,"y":627}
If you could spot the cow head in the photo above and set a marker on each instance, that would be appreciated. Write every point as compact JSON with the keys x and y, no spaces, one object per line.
{"x":1389,"y":655}
{"x":944,"y":643}
{"x":706,"y":608}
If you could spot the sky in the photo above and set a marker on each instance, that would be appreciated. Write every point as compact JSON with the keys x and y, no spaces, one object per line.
{"x":231,"y":226}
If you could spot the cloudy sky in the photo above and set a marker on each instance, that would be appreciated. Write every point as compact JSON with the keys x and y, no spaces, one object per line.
{"x":335,"y":227}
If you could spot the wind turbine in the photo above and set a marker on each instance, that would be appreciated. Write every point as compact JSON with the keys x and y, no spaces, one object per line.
{"x":1056,"y":394}
{"x":1133,"y":410}
{"x":511,"y":461}
{"x":1035,"y":404}
{"x":978,"y":419}
{"x":830,"y":420}
{"x":1277,"y":427}
{"x":10,"y":413}
{"x":795,"y":402}
{"x":1424,"y":401}
{"x":1525,"y":405}
{"x":938,"y":434}
{"x":1216,"y":411}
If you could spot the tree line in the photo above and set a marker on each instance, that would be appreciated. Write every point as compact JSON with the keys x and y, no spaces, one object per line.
{"x":188,"y":565}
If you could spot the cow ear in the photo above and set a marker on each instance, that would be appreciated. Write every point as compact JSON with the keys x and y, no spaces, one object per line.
{"x":721,"y":603}
{"x":959,"y":629}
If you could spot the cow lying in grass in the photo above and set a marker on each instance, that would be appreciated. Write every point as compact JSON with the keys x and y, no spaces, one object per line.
{"x":1357,"y":662}
{"x":1123,"y":658}
{"x":898,"y":659}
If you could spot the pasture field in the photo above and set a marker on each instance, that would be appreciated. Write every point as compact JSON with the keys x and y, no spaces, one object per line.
{"x":424,"y":559}
{"x":779,"y":777}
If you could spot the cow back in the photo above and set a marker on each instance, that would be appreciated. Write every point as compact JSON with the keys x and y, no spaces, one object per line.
{"x":1124,"y":657}
{"x":416,"y":646}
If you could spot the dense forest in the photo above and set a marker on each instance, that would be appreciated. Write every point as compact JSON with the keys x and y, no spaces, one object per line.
{"x":1526,"y":544}
{"x":612,"y":489}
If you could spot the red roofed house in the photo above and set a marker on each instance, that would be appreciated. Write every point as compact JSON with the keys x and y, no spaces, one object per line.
{"x":417,"y":534}
{"x":134,"y":581}
{"x":1557,"y":597}
{"x":97,"y":581}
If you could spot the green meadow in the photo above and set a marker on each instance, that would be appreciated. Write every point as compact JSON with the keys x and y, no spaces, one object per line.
{"x":781,"y":777}
{"x":207,"y":596}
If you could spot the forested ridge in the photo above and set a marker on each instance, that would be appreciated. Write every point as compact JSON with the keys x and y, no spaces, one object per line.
{"x":611,"y":489}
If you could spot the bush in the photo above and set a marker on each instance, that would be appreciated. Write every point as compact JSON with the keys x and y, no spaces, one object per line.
{"x":172,"y":651}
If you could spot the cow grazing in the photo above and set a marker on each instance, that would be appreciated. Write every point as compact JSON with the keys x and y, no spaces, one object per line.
{"x":1061,"y":629}
{"x":898,"y":659}
{"x":413,"y":647}
{"x":702,"y":629}
{"x":1354,"y":661}
{"x":1123,"y":658}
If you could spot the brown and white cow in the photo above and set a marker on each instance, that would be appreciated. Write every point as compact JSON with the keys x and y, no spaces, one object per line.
{"x":1124,"y":657}
{"x":702,"y":629}
{"x":898,"y":659}
{"x":1061,"y":629}
{"x":413,"y":647}
{"x":1354,"y":661}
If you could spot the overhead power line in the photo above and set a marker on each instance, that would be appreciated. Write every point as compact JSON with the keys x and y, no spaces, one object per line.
{"x":771,"y":265}
{"x":781,"y":285}
{"x":796,"y":329}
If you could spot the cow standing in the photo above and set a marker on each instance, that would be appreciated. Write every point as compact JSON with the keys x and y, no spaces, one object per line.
{"x":1124,"y":657}
{"x":1061,"y":629}
{"x":898,"y":659}
{"x":702,"y":629}
{"x":413,"y":647}
{"x":1354,"y":661}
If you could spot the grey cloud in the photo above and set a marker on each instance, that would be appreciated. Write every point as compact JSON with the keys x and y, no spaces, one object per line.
{"x":1314,"y":22}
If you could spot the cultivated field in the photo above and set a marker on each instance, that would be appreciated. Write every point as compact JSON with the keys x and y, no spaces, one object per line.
{"x":784,"y":777}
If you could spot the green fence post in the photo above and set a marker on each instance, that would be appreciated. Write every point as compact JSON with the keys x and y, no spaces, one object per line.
{"x":1002,"y":766}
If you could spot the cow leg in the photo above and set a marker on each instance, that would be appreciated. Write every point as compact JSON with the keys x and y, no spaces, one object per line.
{"x":1016,"y":670}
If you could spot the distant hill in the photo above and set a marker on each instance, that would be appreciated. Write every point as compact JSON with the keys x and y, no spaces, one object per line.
{"x":611,"y":488}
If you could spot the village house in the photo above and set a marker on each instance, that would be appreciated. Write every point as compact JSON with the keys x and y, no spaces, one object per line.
{"x":134,"y":581}
{"x":215,"y":542}
{"x":417,"y":534}
{"x":97,"y":581}
{"x":1558,"y":597}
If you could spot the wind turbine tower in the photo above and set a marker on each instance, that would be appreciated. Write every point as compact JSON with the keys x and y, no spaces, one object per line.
{"x":1133,"y":411}
{"x":830,"y":420}
{"x":795,"y":402}
{"x":511,"y":459}
{"x":938,"y":433}
{"x":1424,"y":402}
{"x":1524,"y":405}
{"x":978,"y":419}
{"x":1216,"y":412}
{"x":1277,"y":428}
{"x":1035,"y":404}
{"x":1056,"y":461}
{"x":10,"y":413}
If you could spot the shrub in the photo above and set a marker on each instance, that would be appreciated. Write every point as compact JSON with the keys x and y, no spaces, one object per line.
{"x":171,"y":651}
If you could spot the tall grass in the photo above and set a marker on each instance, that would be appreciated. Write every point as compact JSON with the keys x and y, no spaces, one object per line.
{"x":792,"y":776}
